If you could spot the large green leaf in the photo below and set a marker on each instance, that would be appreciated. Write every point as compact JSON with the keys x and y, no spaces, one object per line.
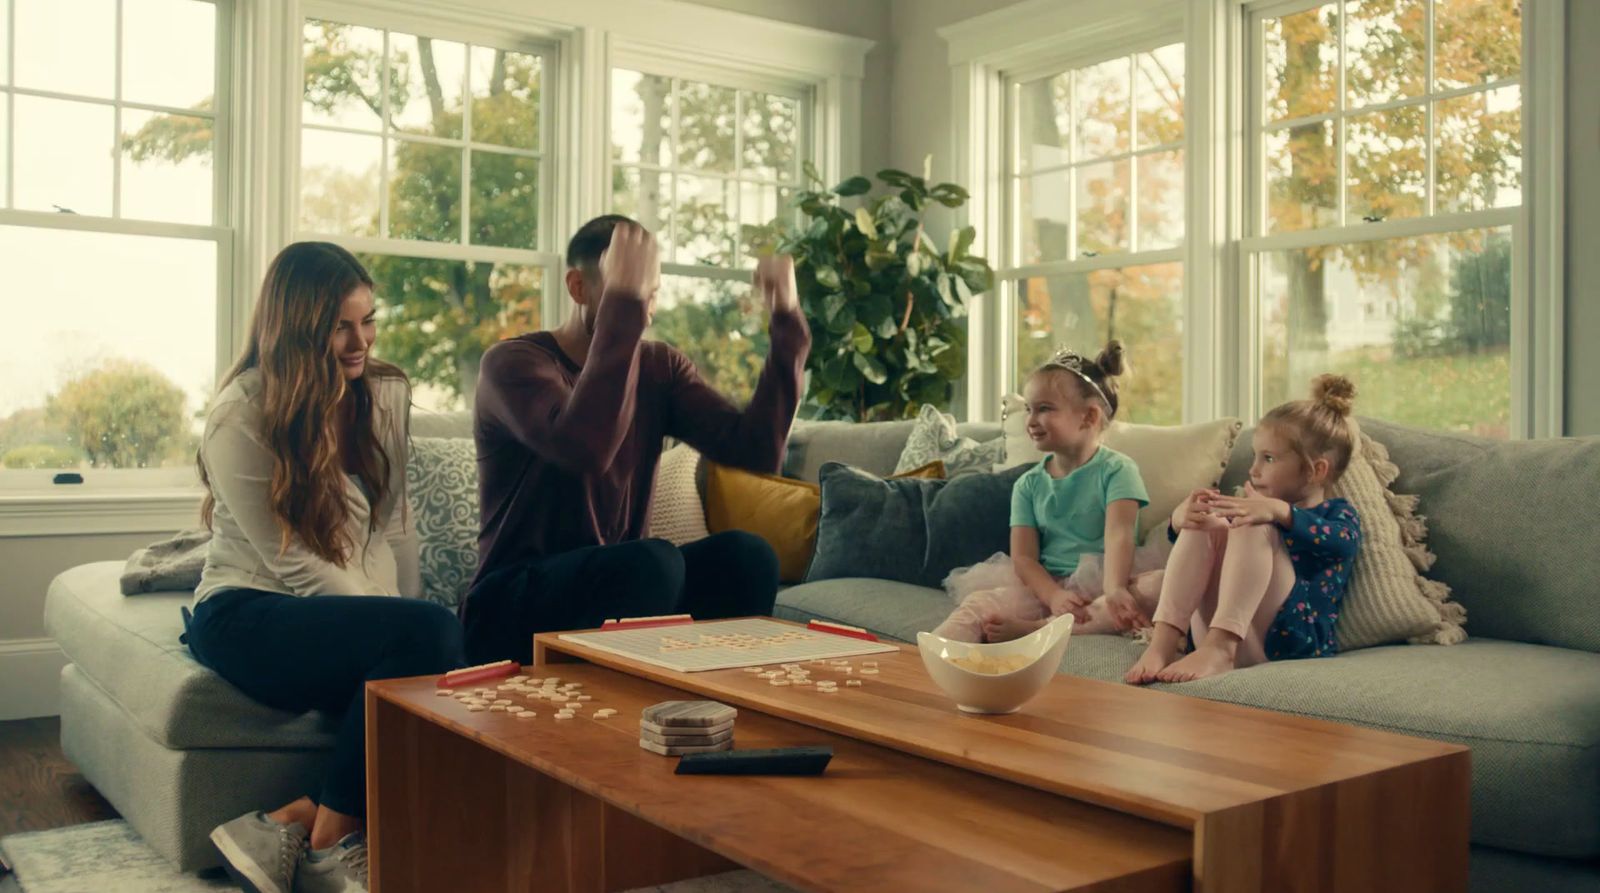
{"x":874,"y":309}
{"x":827,"y":277}
{"x":842,"y":322}
{"x":861,"y":339}
{"x":879,"y":258}
{"x":865,"y":223}
{"x":951,"y":362}
{"x":853,"y":186}
{"x":871,"y":369}
{"x":960,"y":241}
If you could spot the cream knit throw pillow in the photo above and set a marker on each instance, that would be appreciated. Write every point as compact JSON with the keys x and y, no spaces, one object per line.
{"x":678,"y":515}
{"x":1389,"y":600}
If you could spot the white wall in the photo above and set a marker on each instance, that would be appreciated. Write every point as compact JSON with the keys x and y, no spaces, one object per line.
{"x":30,"y":664}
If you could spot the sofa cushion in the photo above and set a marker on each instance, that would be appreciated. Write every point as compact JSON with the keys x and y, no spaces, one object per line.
{"x":914,"y":531}
{"x":1530,"y":713}
{"x":130,"y":648}
{"x":442,"y":480}
{"x":884,"y":607}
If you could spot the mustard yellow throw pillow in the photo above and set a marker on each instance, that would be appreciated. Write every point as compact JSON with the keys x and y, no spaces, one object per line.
{"x":780,"y":510}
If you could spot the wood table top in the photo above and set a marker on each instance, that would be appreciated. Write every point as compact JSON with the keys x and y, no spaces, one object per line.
{"x":878,"y":819}
{"x":1151,"y":754}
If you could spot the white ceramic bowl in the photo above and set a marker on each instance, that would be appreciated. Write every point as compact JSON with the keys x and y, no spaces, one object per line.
{"x":976,"y":692}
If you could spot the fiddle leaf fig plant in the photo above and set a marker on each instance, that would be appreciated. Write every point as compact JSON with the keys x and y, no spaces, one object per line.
{"x":883,"y":300}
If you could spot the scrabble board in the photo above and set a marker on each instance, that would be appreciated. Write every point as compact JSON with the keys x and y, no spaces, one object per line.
{"x":725,"y":644}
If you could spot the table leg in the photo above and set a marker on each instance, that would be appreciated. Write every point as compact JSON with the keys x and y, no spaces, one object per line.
{"x":447,"y":813}
{"x":1407,"y":829}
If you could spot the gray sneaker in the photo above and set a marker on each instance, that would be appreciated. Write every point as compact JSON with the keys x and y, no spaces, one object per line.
{"x":260,"y":854}
{"x":341,"y":868}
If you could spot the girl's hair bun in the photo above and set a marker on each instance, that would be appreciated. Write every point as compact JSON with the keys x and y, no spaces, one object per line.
{"x":1110,"y":360}
{"x":1334,"y":392}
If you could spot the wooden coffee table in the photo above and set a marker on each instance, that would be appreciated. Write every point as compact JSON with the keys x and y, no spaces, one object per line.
{"x":1269,"y":801}
{"x":1093,"y":786}
{"x":470,"y":802}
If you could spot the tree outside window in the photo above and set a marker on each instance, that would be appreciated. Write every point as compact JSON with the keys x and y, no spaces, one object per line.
{"x":1421,"y":323}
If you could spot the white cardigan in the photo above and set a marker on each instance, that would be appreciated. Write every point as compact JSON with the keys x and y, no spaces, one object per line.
{"x":246,"y":539}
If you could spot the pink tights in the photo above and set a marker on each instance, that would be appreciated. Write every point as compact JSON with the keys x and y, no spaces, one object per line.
{"x":1232,"y":579}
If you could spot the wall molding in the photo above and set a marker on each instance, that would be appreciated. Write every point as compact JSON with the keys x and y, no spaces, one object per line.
{"x":30,"y":678}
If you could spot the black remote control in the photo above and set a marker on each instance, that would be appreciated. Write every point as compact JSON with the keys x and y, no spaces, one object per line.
{"x":777,"y":761}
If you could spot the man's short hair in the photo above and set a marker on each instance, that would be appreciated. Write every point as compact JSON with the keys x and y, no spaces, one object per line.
{"x":591,"y":240}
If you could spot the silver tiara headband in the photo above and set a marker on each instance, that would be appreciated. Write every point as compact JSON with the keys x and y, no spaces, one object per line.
{"x":1073,"y":362}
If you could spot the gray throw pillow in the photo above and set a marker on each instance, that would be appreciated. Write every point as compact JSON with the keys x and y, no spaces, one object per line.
{"x":442,"y":480}
{"x":910,"y":530}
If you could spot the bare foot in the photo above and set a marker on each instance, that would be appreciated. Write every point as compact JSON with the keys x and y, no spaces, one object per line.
{"x":1205,"y":661}
{"x":1166,"y":643}
{"x":1004,"y":629}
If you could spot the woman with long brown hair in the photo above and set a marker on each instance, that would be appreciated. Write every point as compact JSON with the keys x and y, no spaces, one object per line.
{"x":304,"y":458}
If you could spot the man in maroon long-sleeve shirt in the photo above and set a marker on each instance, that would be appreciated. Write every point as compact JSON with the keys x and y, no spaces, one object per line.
{"x":569,"y":426}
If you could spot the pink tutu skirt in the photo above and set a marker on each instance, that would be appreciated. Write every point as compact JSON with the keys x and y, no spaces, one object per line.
{"x":997,"y":572}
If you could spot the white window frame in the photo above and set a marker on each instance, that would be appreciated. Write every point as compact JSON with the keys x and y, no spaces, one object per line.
{"x":632,"y":56}
{"x":1007,"y":273}
{"x":1221,"y":337}
{"x":536,"y":41}
{"x":262,"y":46}
{"x":1530,"y":416}
{"x":30,"y":496}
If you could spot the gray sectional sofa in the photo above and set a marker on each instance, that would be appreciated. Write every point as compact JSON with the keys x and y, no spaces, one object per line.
{"x":177,"y":750}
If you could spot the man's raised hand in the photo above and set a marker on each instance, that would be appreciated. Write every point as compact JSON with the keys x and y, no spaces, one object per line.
{"x":774,"y":279}
{"x":629,"y":265}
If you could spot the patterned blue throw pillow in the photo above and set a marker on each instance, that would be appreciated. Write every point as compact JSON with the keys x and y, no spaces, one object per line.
{"x":442,"y":477}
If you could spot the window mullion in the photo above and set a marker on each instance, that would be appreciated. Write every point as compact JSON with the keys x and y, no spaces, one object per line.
{"x":384,"y":122}
{"x":675,"y":91}
{"x":466,"y":151}
{"x":1341,"y":131}
{"x":1133,"y":163}
{"x":1430,"y":205}
{"x":738,"y":162}
{"x":11,"y":105}
{"x":1072,"y":159}
{"x":116,"y":119}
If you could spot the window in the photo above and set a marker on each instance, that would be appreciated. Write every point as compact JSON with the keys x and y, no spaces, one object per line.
{"x":1387,"y":138}
{"x":114,"y":226}
{"x":1093,"y":245}
{"x":708,"y":168}
{"x":428,"y":158}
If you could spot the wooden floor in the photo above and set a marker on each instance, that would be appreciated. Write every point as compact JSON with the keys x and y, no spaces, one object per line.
{"x":39,"y":789}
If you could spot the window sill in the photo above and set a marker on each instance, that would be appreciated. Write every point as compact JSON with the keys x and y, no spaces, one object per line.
{"x":27,"y":513}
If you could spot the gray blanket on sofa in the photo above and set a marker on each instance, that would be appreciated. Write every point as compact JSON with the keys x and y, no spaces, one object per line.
{"x":171,"y":564}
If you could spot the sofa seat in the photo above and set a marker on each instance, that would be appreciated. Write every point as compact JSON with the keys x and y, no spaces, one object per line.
{"x":128,"y":646}
{"x":1528,"y":712}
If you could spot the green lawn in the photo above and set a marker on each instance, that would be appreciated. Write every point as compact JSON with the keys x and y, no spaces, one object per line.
{"x":1468,"y":392}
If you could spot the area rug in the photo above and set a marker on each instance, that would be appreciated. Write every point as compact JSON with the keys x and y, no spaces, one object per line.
{"x":95,"y":858}
{"x":107,"y":856}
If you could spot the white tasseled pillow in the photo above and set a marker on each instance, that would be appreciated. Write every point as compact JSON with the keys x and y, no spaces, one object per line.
{"x":1389,"y":600}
